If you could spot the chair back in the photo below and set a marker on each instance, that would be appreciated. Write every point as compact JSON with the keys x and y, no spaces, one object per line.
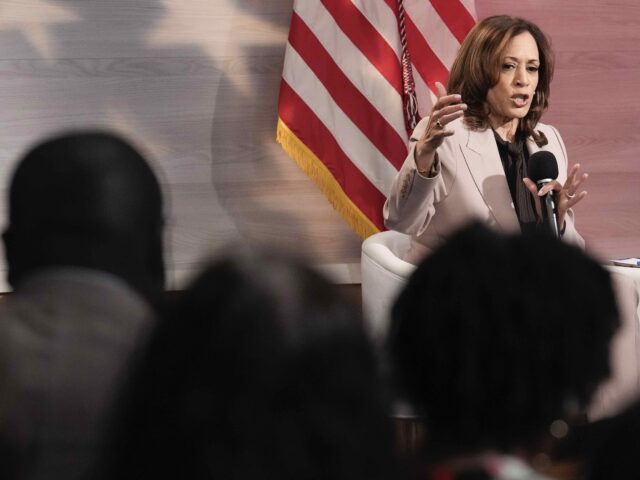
{"x":383,"y":273}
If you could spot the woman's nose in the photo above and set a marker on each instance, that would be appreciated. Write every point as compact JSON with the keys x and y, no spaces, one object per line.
{"x":521,"y":78}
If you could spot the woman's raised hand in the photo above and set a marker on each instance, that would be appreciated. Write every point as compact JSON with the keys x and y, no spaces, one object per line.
{"x":445,"y":110}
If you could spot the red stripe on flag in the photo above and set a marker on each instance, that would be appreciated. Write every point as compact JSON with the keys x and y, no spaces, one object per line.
{"x":304,"y":123}
{"x":425,"y":60}
{"x":368,"y":40}
{"x":455,"y":16}
{"x":353,"y":103}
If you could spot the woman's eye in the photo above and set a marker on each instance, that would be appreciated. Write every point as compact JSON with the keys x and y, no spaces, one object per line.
{"x":533,"y":69}
{"x":508,"y":66}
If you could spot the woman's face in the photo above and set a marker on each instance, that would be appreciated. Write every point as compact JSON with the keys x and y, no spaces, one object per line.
{"x":511,"y":97}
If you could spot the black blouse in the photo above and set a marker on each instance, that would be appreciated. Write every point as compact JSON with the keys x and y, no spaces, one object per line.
{"x":514,"y":156}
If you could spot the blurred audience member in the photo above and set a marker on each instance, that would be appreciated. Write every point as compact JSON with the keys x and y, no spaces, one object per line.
{"x":617,"y":446}
{"x":261,"y":372}
{"x":84,"y":251}
{"x":498,"y":342}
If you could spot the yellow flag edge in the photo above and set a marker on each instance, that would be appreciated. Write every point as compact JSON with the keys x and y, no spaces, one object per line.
{"x":320,"y":174}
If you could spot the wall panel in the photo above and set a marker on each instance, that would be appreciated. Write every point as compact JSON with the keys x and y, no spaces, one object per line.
{"x":195,"y":84}
{"x":595,"y":103}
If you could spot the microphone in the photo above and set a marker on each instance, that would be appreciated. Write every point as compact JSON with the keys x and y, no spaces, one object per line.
{"x":542,"y":168}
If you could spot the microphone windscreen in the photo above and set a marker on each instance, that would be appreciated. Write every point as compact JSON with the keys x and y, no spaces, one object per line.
{"x":542,"y":165}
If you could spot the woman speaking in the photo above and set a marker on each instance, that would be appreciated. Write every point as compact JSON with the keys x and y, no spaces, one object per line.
{"x":468,"y":158}
{"x":468,"y":161}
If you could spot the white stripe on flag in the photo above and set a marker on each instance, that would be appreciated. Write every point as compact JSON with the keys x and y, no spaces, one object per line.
{"x":426,"y":98}
{"x":434,"y":30}
{"x":367,"y":79}
{"x":384,"y":20}
{"x":380,"y":99}
{"x":362,"y":153}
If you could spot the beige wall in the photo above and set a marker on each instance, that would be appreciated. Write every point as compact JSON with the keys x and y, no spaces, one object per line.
{"x":195,"y":84}
{"x":595,"y":103}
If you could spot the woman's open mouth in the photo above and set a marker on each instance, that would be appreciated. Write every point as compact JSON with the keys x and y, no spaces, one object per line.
{"x":520,"y":100}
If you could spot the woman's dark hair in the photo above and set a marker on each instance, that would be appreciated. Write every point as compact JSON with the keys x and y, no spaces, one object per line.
{"x":261,"y":371}
{"x":495,"y":337}
{"x":477,"y":66}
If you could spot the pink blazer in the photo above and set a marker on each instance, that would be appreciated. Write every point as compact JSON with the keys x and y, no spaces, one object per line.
{"x":470,"y":185}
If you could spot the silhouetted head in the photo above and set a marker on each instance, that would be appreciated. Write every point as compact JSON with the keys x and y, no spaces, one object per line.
{"x":615,"y":453}
{"x":262,"y":371}
{"x":495,"y":337}
{"x":86,"y":200}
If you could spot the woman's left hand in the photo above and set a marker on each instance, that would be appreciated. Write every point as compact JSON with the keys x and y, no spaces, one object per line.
{"x":567,"y":195}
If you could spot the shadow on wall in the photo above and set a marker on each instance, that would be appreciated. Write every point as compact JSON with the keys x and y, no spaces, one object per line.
{"x":246,"y":169}
{"x":103,"y":62}
{"x":195,"y":84}
{"x":128,"y":66}
{"x":269,"y":197}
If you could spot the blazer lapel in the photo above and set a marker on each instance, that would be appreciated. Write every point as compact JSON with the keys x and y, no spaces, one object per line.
{"x":483,"y":160}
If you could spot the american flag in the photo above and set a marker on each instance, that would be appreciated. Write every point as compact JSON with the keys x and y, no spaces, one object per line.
{"x":357,"y":75}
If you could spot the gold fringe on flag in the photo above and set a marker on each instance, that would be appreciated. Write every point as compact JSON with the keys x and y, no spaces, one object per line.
{"x":320,"y":174}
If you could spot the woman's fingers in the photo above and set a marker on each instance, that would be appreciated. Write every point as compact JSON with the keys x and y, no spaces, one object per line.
{"x":444,"y":98}
{"x":574,"y":180}
{"x":572,"y":176}
{"x":446,"y":101}
{"x":532,"y":187}
{"x":572,"y":173}
{"x":572,"y":188}
{"x":578,"y":197}
{"x":450,"y":110}
{"x":436,"y":136}
{"x":567,"y":195}
{"x":446,"y":109}
{"x":552,"y":185}
{"x":445,"y":119}
{"x":442,"y":92}
{"x":440,"y":118}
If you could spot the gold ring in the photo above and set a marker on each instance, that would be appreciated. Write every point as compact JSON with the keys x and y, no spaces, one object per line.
{"x":439,"y":124}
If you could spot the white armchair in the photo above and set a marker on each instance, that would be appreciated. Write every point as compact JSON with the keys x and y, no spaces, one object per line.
{"x":384,"y":273}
